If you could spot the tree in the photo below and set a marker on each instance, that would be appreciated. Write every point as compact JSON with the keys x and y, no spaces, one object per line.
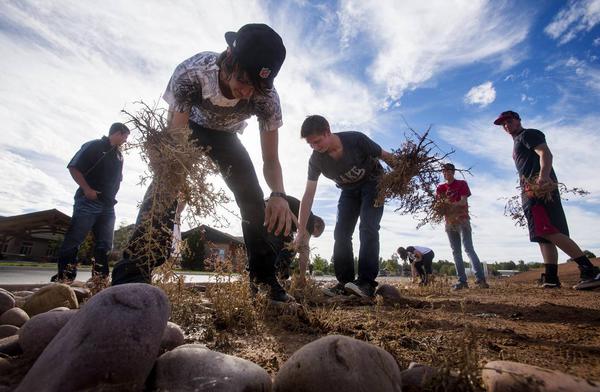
{"x":195,"y":251}
{"x":320,"y":264}
{"x":521,"y":266}
{"x":589,"y":254}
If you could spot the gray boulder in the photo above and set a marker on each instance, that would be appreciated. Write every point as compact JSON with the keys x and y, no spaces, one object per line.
{"x":339,"y":363}
{"x":38,"y":332}
{"x":110,"y":344}
{"x":7,"y":301}
{"x":14,"y":316}
{"x":10,"y":346}
{"x":172,"y":337}
{"x":8,"y":330}
{"x":193,"y":367}
{"x":507,"y":376}
{"x":50,"y":297}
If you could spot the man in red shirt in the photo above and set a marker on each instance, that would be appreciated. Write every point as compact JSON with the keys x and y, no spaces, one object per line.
{"x":458,"y":226}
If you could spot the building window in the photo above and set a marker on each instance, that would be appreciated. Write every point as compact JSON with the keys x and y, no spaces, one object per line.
{"x":51,"y":251}
{"x":5,"y":247}
{"x":26,"y":248}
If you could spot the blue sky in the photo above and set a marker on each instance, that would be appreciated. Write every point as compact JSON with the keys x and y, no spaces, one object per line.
{"x":69,"y":67}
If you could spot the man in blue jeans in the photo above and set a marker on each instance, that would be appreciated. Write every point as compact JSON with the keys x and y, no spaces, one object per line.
{"x":458,"y":226}
{"x":212,"y":95}
{"x":351,"y":160}
{"x":98,"y":170}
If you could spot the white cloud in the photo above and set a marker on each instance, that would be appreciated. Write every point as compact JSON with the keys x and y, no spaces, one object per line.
{"x":576,"y":17}
{"x":412,"y":42}
{"x":481,"y":95}
{"x":596,"y":42}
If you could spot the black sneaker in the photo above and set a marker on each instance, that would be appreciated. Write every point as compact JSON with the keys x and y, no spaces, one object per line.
{"x":590,"y":279}
{"x":550,"y":282}
{"x":482,"y":284}
{"x":361,"y":289}
{"x":276,"y":292}
{"x":336,"y":289}
{"x":459,"y":286}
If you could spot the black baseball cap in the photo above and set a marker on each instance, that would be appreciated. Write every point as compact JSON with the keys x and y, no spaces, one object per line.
{"x":506,"y":115}
{"x":259,"y":51}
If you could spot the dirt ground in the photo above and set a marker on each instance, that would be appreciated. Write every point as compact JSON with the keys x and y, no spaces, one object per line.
{"x":513,"y":320}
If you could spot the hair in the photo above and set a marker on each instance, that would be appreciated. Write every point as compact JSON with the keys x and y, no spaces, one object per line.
{"x":402,"y":253}
{"x":118,"y":127}
{"x":318,"y":226}
{"x":449,"y":166}
{"x":229,"y":62}
{"x":314,"y":125}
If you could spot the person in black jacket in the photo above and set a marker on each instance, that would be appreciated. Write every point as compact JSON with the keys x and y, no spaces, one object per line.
{"x":98,"y":170}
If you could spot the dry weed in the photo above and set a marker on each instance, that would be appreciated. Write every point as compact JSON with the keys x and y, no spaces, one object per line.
{"x":529,"y":188}
{"x":413,"y":178}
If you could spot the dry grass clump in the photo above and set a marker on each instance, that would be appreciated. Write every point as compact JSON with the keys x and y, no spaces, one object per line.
{"x":234,"y":304}
{"x":529,"y":188}
{"x":413,"y":179}
{"x":179,"y":170}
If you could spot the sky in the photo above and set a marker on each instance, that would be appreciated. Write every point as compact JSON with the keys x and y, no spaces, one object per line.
{"x":380,"y":67}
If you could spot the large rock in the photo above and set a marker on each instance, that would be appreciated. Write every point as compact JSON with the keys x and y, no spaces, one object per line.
{"x":172,"y":337}
{"x":7,"y":301}
{"x":50,"y":297}
{"x":10,"y":346}
{"x":14,"y":316}
{"x":82,"y":294}
{"x":8,"y":330}
{"x":507,"y":376}
{"x":110,"y":344}
{"x":193,"y":367}
{"x":339,"y":363}
{"x":389,"y":293}
{"x":38,"y":332}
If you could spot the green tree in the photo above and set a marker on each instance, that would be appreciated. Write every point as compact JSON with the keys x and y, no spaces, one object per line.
{"x":521,"y":266}
{"x":320,"y":264}
{"x":195,"y":251}
{"x":589,"y":254}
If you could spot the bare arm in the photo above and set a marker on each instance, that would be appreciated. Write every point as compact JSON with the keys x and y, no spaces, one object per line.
{"x":89,"y":193}
{"x":303,"y":236}
{"x":278,"y":215}
{"x":545,"y":163}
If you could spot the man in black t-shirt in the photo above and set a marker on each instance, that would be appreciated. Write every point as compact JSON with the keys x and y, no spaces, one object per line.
{"x":98,"y":170}
{"x":351,"y":159}
{"x":545,"y":217}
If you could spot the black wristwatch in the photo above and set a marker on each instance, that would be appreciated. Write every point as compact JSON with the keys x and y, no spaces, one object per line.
{"x":278,"y":194}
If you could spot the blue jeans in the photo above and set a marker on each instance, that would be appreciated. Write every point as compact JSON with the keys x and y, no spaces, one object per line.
{"x":88,"y":215}
{"x":355,"y":203}
{"x":455,"y":233}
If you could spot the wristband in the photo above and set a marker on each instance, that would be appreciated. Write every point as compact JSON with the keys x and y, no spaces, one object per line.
{"x":278,"y":194}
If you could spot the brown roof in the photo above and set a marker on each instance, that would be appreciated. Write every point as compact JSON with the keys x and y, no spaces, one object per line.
{"x":214,"y":235}
{"x":35,"y":223}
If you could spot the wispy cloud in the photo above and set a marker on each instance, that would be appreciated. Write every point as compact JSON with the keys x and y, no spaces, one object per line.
{"x":433,"y":37}
{"x":574,"y":18}
{"x":481,"y":95}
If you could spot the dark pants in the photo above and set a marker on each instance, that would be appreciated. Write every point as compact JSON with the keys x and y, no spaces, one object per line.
{"x":237,"y":169}
{"x":88,"y":215}
{"x":355,"y":203}
{"x":425,"y":266}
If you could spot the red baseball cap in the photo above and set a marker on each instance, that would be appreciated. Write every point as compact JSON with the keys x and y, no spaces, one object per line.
{"x":505,"y":116}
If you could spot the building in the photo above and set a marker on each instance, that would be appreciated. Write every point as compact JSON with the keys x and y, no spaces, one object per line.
{"x":219,"y":245}
{"x":34,"y":236}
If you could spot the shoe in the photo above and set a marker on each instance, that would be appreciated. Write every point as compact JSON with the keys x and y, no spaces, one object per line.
{"x":276,"y":292}
{"x":459,"y":286}
{"x":360,"y":289}
{"x":590,"y":279}
{"x":550,"y":283}
{"x":482,"y":284}
{"x":336,"y":289}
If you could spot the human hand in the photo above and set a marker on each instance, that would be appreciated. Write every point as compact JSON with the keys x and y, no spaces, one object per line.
{"x":91,"y":194}
{"x":278,"y":216}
